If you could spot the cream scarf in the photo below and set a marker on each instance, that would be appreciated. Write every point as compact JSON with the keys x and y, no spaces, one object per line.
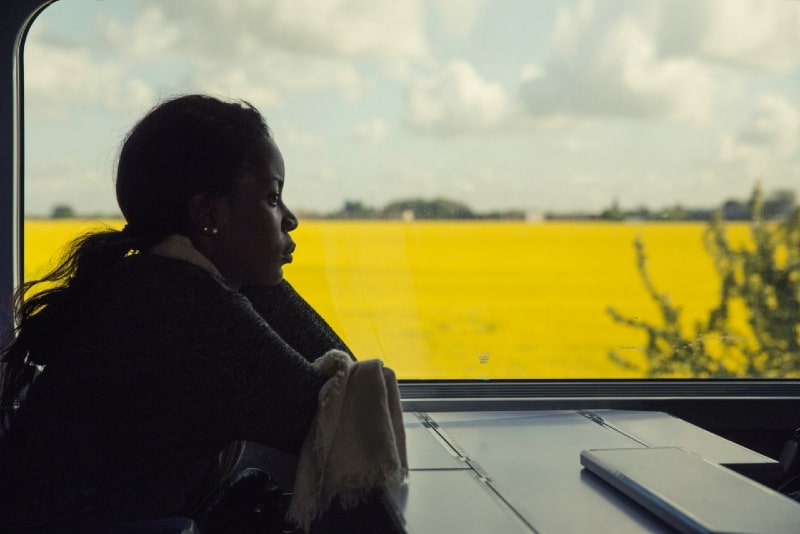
{"x":356,"y":442}
{"x":180,"y":247}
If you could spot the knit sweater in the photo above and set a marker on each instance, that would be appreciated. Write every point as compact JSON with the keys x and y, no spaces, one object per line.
{"x":159,"y":366}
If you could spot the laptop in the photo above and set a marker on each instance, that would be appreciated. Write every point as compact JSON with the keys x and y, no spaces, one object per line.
{"x":692,"y":494}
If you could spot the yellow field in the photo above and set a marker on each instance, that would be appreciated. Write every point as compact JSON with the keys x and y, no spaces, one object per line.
{"x":479,"y":299}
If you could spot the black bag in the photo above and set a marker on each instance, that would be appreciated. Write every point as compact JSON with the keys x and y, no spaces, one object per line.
{"x":247,"y":502}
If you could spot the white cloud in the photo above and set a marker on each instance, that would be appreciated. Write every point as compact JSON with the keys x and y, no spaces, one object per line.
{"x":292,"y":137}
{"x":529,"y":73}
{"x":577,"y":144}
{"x":149,"y":35}
{"x":570,"y":26}
{"x":680,"y":87}
{"x":771,"y":134}
{"x":352,"y":28}
{"x":610,"y":64}
{"x":237,"y":82}
{"x":261,"y":51}
{"x":261,"y":79}
{"x":266,"y":51}
{"x":759,"y":33}
{"x":373,"y":131}
{"x":639,"y":60}
{"x":657,"y":60}
{"x":457,"y":100}
{"x":60,"y":79}
{"x":458,"y":16}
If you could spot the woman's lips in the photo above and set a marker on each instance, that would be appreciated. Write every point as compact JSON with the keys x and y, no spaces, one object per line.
{"x":287,"y":253}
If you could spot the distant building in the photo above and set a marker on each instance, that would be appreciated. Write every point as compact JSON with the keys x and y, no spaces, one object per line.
{"x":534,"y":216}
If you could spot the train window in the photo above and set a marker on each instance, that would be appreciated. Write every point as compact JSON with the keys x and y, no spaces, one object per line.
{"x":487,"y":189}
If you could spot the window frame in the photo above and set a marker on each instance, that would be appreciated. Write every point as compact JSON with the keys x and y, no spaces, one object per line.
{"x":735,"y":405}
{"x":14,"y":25}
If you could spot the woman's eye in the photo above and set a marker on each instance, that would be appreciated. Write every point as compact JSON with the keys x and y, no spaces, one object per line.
{"x":273,"y":199}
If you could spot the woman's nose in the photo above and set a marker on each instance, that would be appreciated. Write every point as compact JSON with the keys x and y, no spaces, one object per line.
{"x":290,"y":222}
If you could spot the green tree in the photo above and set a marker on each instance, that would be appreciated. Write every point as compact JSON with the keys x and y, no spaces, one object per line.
{"x":438,"y":208}
{"x":355,"y":209}
{"x":763,"y":279}
{"x":614,"y":212}
{"x":62,"y":211}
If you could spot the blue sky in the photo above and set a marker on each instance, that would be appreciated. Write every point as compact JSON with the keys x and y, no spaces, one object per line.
{"x":562,"y":105}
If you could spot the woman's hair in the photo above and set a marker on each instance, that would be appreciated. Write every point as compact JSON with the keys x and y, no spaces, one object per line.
{"x":184,"y":146}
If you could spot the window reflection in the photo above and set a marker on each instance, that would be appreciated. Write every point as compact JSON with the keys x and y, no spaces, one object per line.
{"x":473,"y":178}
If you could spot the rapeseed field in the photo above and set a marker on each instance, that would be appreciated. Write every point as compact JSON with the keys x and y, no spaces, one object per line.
{"x":478,"y":299}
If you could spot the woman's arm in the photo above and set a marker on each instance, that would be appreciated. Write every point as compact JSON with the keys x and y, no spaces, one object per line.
{"x":196,"y":356}
{"x":294,"y":320}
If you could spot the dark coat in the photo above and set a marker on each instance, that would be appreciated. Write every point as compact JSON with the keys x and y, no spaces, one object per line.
{"x":158,"y":368}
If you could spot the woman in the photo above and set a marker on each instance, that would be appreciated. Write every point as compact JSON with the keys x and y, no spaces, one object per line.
{"x":161,"y":343}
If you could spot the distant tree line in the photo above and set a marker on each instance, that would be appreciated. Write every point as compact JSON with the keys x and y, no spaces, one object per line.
{"x":417,"y":208}
{"x":778,"y":204}
{"x":66,"y":211}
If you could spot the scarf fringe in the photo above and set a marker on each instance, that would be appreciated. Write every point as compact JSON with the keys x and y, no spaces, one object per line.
{"x":356,"y":442}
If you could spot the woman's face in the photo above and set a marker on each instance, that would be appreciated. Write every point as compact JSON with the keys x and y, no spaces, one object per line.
{"x":253,"y":241}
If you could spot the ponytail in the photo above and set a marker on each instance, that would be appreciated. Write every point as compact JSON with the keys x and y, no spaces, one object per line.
{"x":31,"y":346}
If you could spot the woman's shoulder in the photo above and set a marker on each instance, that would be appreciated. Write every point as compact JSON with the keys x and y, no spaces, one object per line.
{"x":148,"y":277}
{"x":148,"y":266}
{"x":148,"y":295}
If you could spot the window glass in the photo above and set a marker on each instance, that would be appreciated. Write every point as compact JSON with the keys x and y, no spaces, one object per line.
{"x":487,"y":189}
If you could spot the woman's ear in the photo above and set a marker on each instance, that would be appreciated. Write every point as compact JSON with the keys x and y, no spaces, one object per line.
{"x":203,"y":214}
